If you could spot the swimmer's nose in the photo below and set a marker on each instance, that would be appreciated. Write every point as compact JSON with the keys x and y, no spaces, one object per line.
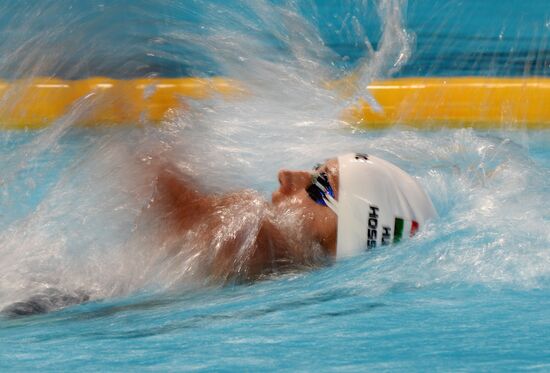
{"x":293,"y":181}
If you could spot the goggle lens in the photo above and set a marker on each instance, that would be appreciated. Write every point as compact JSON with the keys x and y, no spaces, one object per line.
{"x":315,"y":190}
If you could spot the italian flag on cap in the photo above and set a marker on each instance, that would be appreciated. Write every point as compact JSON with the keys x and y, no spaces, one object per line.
{"x":410,"y":227}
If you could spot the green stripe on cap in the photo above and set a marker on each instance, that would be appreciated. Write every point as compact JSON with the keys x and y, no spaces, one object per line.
{"x":398,"y":230}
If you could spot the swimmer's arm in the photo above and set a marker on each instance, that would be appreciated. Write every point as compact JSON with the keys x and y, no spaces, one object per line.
{"x":176,"y":200}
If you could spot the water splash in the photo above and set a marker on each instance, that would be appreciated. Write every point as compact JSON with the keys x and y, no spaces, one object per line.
{"x":72,"y":198}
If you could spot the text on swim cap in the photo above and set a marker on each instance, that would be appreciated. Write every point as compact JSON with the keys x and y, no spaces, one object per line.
{"x":372,"y":232}
{"x":386,"y":236}
{"x":372,"y":227}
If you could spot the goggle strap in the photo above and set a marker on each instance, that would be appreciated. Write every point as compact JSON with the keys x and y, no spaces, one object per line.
{"x":329,"y":200}
{"x":322,"y":187}
{"x":331,"y":203}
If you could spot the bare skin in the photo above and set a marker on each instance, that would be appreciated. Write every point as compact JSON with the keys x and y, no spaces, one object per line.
{"x":182,"y":208}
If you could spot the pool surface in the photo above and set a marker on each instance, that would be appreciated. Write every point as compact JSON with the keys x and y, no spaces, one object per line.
{"x":471,"y":292}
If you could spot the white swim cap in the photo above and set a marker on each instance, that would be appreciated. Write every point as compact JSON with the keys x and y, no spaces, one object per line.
{"x":378,"y":204}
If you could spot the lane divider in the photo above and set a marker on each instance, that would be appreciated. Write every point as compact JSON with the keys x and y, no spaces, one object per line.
{"x":478,"y":102}
{"x":36,"y":103}
{"x":423,"y":103}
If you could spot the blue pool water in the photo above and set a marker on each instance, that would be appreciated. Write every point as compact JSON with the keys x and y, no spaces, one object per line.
{"x":470,"y":293}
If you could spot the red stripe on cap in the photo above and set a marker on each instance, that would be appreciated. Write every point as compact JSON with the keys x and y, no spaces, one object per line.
{"x":414,"y":228}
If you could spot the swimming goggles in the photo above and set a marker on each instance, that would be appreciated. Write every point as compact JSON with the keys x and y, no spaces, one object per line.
{"x":321,"y":191}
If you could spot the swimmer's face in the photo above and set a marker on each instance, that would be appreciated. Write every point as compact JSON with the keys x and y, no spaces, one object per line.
{"x":319,"y":221}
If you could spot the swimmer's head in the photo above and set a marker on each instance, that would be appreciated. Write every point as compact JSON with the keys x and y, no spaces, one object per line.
{"x":318,"y":221}
{"x":355,"y":202}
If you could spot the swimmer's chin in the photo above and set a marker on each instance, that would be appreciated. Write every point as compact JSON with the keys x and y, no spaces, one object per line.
{"x":276,"y":197}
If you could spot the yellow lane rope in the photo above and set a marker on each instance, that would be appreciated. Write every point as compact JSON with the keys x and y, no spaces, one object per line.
{"x":424,"y":103}
{"x":478,"y":102}
{"x":35,"y":103}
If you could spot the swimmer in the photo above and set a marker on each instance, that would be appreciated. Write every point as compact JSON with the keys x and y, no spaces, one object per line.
{"x":348,"y":205}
